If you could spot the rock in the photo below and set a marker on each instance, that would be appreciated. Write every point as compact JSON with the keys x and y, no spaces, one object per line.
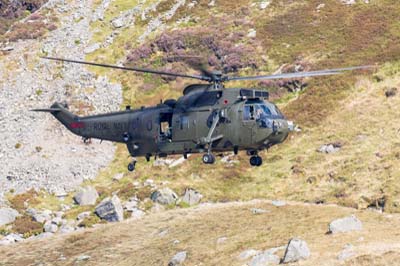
{"x":252,"y":33}
{"x":50,"y":227}
{"x":265,"y":258}
{"x":221,"y":240}
{"x":264,"y":4}
{"x":164,"y":196}
{"x":57,"y":220}
{"x":10,"y":239}
{"x":83,"y":258}
{"x":157,"y":208}
{"x":44,"y":235}
{"x":391,"y":92}
{"x":110,"y":209}
{"x":41,"y":217}
{"x":118,"y":177}
{"x":86,"y":196}
{"x":278,"y":203}
{"x":297,"y":249}
{"x":347,"y":252}
{"x":258,"y":211}
{"x":176,"y":242}
{"x":118,"y":23}
{"x":83,"y":215}
{"x":192,"y":197}
{"x":90,"y":49}
{"x":65,"y":229}
{"x":7,"y":49}
{"x":7,"y":215}
{"x":178,"y":259}
{"x":247,"y":254}
{"x":131,"y":204}
{"x":346,"y":224}
{"x":148,"y":183}
{"x":330,"y":148}
{"x":178,"y":162}
{"x":137,"y":214}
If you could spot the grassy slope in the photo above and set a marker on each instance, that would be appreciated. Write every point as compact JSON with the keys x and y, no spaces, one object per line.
{"x":350,"y":108}
{"x":197,"y":229}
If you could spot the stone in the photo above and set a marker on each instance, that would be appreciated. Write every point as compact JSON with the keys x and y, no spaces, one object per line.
{"x":252,"y":33}
{"x":221,"y":240}
{"x":296,"y":250}
{"x":247,"y":254}
{"x":165,"y":196}
{"x":263,"y":259}
{"x":86,"y":196}
{"x":10,"y":239}
{"x":83,"y":215}
{"x":110,"y":209}
{"x":346,"y":224}
{"x":148,"y":183}
{"x":177,"y":162}
{"x":83,"y":258}
{"x":347,"y":253}
{"x":278,"y":203}
{"x":7,"y":49}
{"x":41,"y":217}
{"x":191,"y":197}
{"x":50,"y":227}
{"x":178,"y":259}
{"x":131,"y":204}
{"x":44,"y":235}
{"x":118,"y":23}
{"x":7,"y":215}
{"x":330,"y":148}
{"x":391,"y":92}
{"x":137,"y":214}
{"x":264,"y":4}
{"x":90,"y":49}
{"x":65,"y":229}
{"x":258,"y":211}
{"x":118,"y":177}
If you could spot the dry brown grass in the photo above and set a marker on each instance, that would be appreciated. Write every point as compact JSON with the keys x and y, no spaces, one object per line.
{"x":197,"y":229}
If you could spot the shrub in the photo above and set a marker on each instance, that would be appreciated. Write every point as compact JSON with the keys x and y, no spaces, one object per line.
{"x":27,"y":226}
{"x":18,"y":201}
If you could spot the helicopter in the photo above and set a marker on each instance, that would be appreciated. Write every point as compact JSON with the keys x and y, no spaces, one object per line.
{"x":207,"y":118}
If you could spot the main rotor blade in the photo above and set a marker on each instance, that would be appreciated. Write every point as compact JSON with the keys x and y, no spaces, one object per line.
{"x":141,"y":70}
{"x":316,"y":73}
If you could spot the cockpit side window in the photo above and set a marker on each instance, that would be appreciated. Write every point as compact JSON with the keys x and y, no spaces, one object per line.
{"x":248,"y":112}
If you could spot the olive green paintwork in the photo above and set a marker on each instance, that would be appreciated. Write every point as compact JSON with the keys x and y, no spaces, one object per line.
{"x":189,"y":120}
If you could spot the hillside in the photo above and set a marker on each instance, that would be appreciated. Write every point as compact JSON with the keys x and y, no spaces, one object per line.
{"x":357,"y":112}
{"x":217,"y":235}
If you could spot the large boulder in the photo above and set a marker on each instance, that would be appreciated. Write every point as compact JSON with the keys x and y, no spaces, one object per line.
{"x":192,"y":197}
{"x":110,"y":209}
{"x":10,"y":239}
{"x":297,"y":249}
{"x":165,"y":196}
{"x":86,"y":196}
{"x":346,"y":224}
{"x":7,"y":215}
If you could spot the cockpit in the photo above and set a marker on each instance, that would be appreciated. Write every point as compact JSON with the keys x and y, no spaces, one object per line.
{"x":258,"y":109}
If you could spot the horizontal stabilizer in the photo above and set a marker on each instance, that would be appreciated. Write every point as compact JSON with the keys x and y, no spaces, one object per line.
{"x":48,"y":110}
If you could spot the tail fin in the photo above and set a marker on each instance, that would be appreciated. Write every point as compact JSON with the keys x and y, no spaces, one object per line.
{"x":62,"y":114}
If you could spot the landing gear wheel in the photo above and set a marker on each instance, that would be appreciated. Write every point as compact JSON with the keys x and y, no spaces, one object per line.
{"x":208,"y":158}
{"x":255,"y":160}
{"x":131,"y":166}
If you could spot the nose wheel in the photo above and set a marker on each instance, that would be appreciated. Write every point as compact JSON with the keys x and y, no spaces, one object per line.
{"x":255,"y":160}
{"x":208,"y":158}
{"x":132,"y":166}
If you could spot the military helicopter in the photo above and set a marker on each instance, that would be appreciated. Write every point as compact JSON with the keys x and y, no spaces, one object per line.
{"x":207,"y":118}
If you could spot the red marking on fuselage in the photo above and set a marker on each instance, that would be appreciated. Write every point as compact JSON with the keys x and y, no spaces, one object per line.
{"x":76,"y":125}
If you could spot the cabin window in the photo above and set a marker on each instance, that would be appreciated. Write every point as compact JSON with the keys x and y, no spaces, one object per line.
{"x":184,"y":122}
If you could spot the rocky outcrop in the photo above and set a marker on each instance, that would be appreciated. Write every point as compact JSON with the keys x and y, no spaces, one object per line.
{"x":110,"y":209}
{"x":346,"y":224}
{"x":7,"y":215}
{"x":86,"y":196}
{"x":164,"y":196}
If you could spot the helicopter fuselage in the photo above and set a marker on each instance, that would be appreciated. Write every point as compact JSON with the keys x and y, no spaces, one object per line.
{"x":202,"y":120}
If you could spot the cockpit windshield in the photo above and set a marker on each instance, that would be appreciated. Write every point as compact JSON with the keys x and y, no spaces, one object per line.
{"x":254,"y":110}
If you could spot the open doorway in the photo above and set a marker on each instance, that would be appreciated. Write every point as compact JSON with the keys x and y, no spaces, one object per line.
{"x":165,"y":126}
